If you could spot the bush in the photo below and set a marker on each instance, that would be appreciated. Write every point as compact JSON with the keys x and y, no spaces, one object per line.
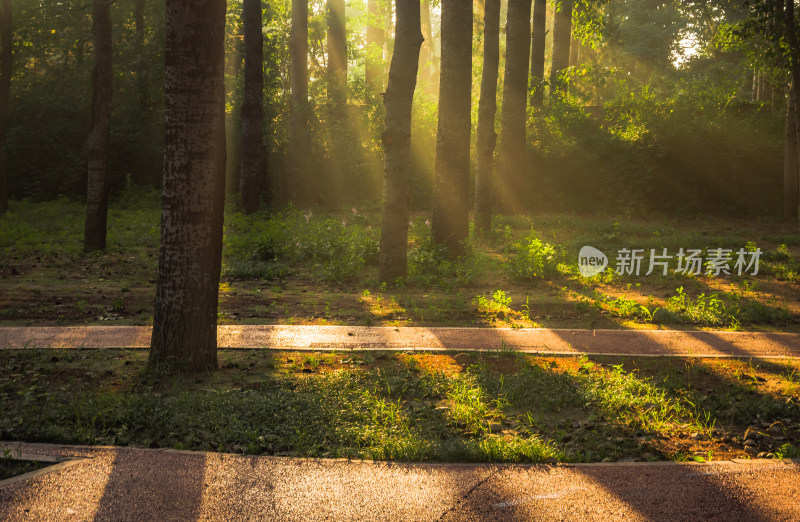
{"x":531,"y":258}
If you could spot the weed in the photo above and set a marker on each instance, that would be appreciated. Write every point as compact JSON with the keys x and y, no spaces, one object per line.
{"x":531,"y":258}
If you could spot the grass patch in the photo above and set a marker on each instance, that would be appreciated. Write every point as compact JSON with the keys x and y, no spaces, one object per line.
{"x":11,"y":468}
{"x":312,"y":267}
{"x":468,"y":407}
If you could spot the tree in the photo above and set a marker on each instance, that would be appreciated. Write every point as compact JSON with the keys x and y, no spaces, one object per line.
{"x":299,"y":136}
{"x":337,"y":53}
{"x":94,"y":237}
{"x":794,"y":66}
{"x":397,"y":141}
{"x":190,"y":257}
{"x":252,"y":165}
{"x":374,"y":49}
{"x":791,"y":196}
{"x":6,"y":63}
{"x":450,"y":222}
{"x":487,"y":109}
{"x":513,"y":157}
{"x":141,"y":66}
{"x":562,"y":34}
{"x":537,"y":52}
{"x":429,"y":65}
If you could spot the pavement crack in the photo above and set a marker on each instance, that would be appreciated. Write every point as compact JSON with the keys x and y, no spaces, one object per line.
{"x":466,"y":495}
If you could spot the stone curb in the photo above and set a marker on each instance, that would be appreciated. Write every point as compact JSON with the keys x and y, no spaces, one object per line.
{"x":552,"y":342}
{"x":489,"y":465}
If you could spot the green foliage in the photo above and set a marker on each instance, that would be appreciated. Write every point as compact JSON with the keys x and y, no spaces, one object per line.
{"x":531,"y":258}
{"x":498,"y":306}
{"x":640,"y":150}
{"x":333,"y":249}
{"x":730,"y":310}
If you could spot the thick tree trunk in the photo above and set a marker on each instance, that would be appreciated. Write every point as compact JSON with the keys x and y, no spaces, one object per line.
{"x":376,"y":38}
{"x":299,"y":132}
{"x":562,"y":35}
{"x":99,"y":133}
{"x":185,"y":319}
{"x":6,"y":62}
{"x":451,"y":206}
{"x":251,"y":170}
{"x":791,"y":196}
{"x":537,"y":52}
{"x":513,"y":157}
{"x":337,"y":53}
{"x":487,"y":108}
{"x":397,"y":142}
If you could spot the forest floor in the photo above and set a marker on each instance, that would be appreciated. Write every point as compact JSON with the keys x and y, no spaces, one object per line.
{"x":320,"y":268}
{"x":303,"y":267}
{"x":453,"y":406}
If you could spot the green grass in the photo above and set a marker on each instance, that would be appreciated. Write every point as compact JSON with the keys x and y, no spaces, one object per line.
{"x":503,"y":407}
{"x":322,"y":260}
{"x":11,"y":468}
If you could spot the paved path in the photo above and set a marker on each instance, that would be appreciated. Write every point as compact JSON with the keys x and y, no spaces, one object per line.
{"x":530,"y":340}
{"x":140,"y":484}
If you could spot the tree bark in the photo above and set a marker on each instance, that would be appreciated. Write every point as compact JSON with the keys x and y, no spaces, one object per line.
{"x":185,"y":319}
{"x":513,"y":156}
{"x":537,"y":52}
{"x":397,"y":141}
{"x":487,"y":109}
{"x":252,"y":165}
{"x":451,"y":205}
{"x":337,"y":53}
{"x":791,"y":196}
{"x":794,"y":62}
{"x":299,"y":132}
{"x":376,"y":38}
{"x":99,"y":133}
{"x":562,"y":34}
{"x":6,"y":64}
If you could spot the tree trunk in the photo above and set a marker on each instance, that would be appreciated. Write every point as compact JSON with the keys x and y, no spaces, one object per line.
{"x":337,"y":53}
{"x":430,"y":73}
{"x":299,"y":132}
{"x":376,"y":38}
{"x":791,"y":196}
{"x":99,"y":133}
{"x":562,"y":34}
{"x":513,"y":157}
{"x":397,"y":142}
{"x":148,"y":167}
{"x":251,"y":169}
{"x":574,"y":51}
{"x":537,"y":52}
{"x":6,"y":62}
{"x":141,"y":67}
{"x":451,"y":205}
{"x":794,"y":61}
{"x":487,"y":108}
{"x":185,"y":319}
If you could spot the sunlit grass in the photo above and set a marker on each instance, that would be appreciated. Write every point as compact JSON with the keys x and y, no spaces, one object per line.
{"x":402,"y":406}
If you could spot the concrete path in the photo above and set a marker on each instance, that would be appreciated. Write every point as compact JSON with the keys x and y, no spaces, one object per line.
{"x":543,"y":341}
{"x":121,"y":484}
